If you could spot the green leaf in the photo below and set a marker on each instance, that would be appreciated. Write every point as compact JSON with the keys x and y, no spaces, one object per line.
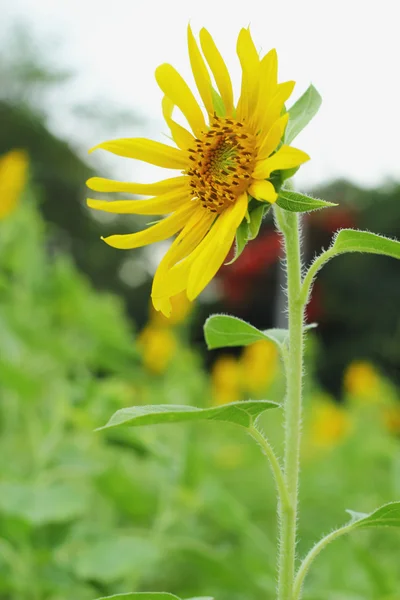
{"x":302,"y":112}
{"x":141,"y":596}
{"x":241,"y":413}
{"x":351,"y":240}
{"x":218,"y":103}
{"x":223,"y":331}
{"x":295,"y":202}
{"x":117,"y":556}
{"x":385,"y":516}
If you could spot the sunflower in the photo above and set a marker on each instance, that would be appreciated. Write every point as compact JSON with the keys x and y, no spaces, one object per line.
{"x":224,"y":162}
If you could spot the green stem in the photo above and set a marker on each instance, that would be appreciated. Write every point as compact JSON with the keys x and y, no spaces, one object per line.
{"x":275,"y":466}
{"x":289,"y":225}
{"x":305,"y":565}
{"x":311,"y":273}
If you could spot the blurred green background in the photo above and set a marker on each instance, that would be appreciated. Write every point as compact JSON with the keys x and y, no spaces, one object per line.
{"x":187,"y":510}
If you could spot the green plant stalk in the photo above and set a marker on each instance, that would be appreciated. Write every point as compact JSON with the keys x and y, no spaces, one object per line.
{"x":311,"y":556}
{"x":289,"y":225}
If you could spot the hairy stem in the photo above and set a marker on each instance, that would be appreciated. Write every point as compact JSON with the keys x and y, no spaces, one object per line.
{"x":288,"y":223}
{"x":275,"y":466}
{"x":305,"y":565}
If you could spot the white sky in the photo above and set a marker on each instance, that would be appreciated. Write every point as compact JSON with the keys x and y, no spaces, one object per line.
{"x":350,"y":50}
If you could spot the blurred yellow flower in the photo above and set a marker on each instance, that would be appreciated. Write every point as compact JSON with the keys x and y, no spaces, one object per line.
{"x":361,"y":380}
{"x":13,"y":175}
{"x":180,"y":309}
{"x":225,"y":380}
{"x":225,"y":161}
{"x":330,"y":424}
{"x":158,"y":345}
{"x":391,"y":417}
{"x":259,"y":363}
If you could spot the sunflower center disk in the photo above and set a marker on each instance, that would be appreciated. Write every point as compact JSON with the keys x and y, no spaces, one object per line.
{"x":223,"y":161}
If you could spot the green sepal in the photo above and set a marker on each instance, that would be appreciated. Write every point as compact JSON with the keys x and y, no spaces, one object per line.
{"x":295,"y":202}
{"x":302,"y":112}
{"x":249,"y":227}
{"x":240,"y":413}
{"x":218,"y":103}
{"x":141,"y":596}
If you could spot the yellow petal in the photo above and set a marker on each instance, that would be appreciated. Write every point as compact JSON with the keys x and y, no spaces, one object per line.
{"x":250,"y":63}
{"x":172,"y":273}
{"x":161,"y":231}
{"x":286,"y":158}
{"x":149,"y":151}
{"x":100,"y":184}
{"x":200,"y":73}
{"x":273,"y":109}
{"x":268,"y":81}
{"x":178,"y":91}
{"x":164,"y":204}
{"x":263,"y":191}
{"x":273,"y":138}
{"x":181,"y":136}
{"x":218,"y":69}
{"x":214,"y":248}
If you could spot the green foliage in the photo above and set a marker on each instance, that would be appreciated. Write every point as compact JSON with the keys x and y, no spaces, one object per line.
{"x":86,"y":515}
{"x":301,"y":113}
{"x":295,"y":202}
{"x":351,"y":240}
{"x":385,"y":516}
{"x":241,"y":413}
{"x":224,"y":331}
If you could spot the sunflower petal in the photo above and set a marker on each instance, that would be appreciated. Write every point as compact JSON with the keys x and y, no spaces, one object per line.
{"x":215,"y":246}
{"x":286,"y":158}
{"x":263,"y":191}
{"x":268,"y":81}
{"x":200,"y":73}
{"x":174,"y":86}
{"x":273,"y":137}
{"x":161,"y":231}
{"x":273,"y":109}
{"x":100,"y":184}
{"x":149,"y":151}
{"x":182,"y":137}
{"x":161,"y":205}
{"x":250,"y":63}
{"x":173,"y":271}
{"x":218,"y":69}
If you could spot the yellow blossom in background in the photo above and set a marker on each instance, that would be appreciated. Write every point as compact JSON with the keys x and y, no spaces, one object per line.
{"x":223,"y":161}
{"x":13,"y":175}
{"x":225,"y":380}
{"x":362,"y":381}
{"x":180,"y":310}
{"x":391,"y":418}
{"x":330,"y":424}
{"x":158,"y":345}
{"x":259,"y":363}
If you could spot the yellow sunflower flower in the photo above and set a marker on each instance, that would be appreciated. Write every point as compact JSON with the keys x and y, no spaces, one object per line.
{"x":223,"y":163}
{"x":13,"y":174}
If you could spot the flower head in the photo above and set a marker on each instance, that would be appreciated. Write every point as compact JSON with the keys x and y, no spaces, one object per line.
{"x":224,"y":162}
{"x":13,"y":173}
